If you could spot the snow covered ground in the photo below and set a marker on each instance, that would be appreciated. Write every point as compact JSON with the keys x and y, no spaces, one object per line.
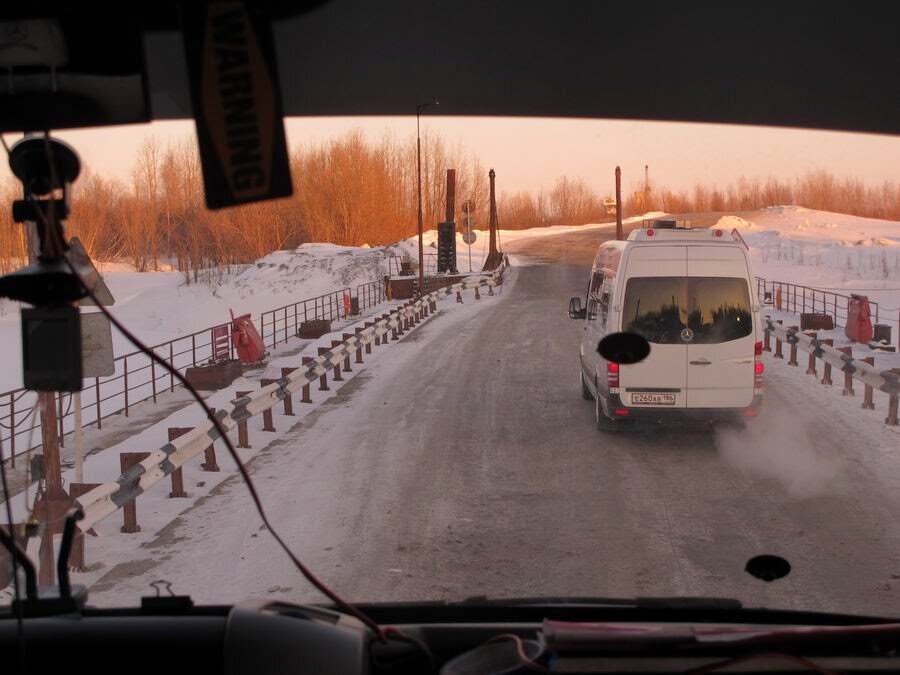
{"x":156,"y":510}
{"x":829,"y":251}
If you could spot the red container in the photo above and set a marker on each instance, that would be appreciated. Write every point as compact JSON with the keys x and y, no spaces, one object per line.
{"x":246,"y":339}
{"x":859,"y":319}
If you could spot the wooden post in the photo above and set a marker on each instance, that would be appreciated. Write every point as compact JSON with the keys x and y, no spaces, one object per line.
{"x":323,"y":380}
{"x":848,"y":377}
{"x":778,"y":354}
{"x":359,"y":348}
{"x":338,"y":377}
{"x":289,"y":399}
{"x":76,"y":557}
{"x":891,"y":419}
{"x":129,"y":510}
{"x":268,"y":424}
{"x":826,"y":375}
{"x":369,"y":324}
{"x":811,"y":366}
{"x":792,"y":361}
{"x":868,"y":403}
{"x":305,"y":398}
{"x":620,"y":232}
{"x":347,"y":368}
{"x":177,"y":476}
{"x":243,"y":431}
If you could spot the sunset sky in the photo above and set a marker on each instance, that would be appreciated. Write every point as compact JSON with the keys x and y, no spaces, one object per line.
{"x":531,"y":153}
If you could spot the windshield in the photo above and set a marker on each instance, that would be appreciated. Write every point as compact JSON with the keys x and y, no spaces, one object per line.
{"x":715,"y":309}
{"x":428,"y":423}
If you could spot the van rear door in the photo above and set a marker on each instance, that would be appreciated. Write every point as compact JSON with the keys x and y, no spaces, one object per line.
{"x":654,"y":305}
{"x":720,"y":318}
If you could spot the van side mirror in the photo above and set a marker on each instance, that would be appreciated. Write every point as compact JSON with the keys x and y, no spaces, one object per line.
{"x":576,"y":311}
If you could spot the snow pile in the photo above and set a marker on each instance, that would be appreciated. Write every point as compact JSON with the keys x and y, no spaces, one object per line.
{"x":821,"y":249}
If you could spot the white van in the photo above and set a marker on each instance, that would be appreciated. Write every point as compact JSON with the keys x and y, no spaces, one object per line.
{"x":689,"y":293}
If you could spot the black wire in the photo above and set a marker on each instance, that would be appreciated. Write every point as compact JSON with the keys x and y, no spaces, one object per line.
{"x":20,"y":626}
{"x":245,"y":475}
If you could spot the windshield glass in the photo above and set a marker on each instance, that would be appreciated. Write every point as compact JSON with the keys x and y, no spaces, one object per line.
{"x":716,"y":309}
{"x":471,"y":441}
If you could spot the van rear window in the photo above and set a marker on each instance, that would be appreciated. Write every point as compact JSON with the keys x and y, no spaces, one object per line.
{"x":715,"y":309}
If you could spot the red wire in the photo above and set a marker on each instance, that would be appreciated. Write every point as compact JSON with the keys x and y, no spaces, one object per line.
{"x":810,"y":665}
{"x":526,"y":661}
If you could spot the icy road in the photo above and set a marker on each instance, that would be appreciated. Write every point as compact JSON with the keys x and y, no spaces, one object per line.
{"x":466,"y":463}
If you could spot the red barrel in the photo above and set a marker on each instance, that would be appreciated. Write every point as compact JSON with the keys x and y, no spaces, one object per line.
{"x":859,"y":319}
{"x":246,"y":339}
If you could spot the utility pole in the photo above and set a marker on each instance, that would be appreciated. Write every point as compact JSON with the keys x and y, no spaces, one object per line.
{"x":55,"y":499}
{"x":620,"y":233}
{"x":419,"y":109}
{"x":493,"y":257}
{"x":450,"y":211}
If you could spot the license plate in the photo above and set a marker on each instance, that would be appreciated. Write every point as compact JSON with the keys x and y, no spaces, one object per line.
{"x":653,"y":399}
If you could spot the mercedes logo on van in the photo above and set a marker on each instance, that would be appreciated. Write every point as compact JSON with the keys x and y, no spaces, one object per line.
{"x":687,"y":335}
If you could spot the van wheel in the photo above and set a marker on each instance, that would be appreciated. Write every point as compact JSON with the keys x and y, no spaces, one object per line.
{"x":585,"y":392}
{"x":603,"y":422}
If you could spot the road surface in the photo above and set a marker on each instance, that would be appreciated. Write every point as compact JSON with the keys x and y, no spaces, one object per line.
{"x":474,"y":468}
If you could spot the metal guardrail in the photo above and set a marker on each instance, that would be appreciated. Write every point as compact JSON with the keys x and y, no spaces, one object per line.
{"x":136,"y":379}
{"x":370,"y":295}
{"x":861,"y":370}
{"x":280,"y":324}
{"x":799,"y":299}
{"x":109,"y":497}
{"x":395,"y":268}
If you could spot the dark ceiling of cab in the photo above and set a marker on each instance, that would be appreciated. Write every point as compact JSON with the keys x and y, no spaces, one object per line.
{"x":805,"y":64}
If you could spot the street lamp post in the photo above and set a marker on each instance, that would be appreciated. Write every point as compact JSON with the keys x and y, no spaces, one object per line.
{"x":419,"y":108}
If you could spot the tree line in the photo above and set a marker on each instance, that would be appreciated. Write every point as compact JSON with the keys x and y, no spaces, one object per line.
{"x":353,"y":190}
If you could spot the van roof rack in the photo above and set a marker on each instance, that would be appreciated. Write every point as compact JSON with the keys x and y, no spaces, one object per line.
{"x":666,"y":224}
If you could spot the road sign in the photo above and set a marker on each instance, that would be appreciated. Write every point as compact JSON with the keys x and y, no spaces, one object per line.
{"x":96,"y":346}
{"x":468,"y":206}
{"x":469,"y":237}
{"x":85,"y":266}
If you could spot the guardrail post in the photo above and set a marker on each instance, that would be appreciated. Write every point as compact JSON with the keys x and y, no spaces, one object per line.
{"x":490,"y":290}
{"x":767,"y":338}
{"x":369,"y":324}
{"x":305,"y":398}
{"x":337,"y":369}
{"x":359,"y":349}
{"x":792,"y":360}
{"x":400,"y":320}
{"x":268,"y":424}
{"x":459,"y":297}
{"x":811,"y":367}
{"x":826,"y":374}
{"x":347,"y":368}
{"x":848,"y":375}
{"x":477,"y":293}
{"x":891,"y":419}
{"x":243,"y":431}
{"x":177,"y":475}
{"x":323,"y":379}
{"x":129,"y":509}
{"x":868,"y":403}
{"x":394,"y":331}
{"x":76,"y":556}
{"x":289,"y":399}
{"x":209,"y":454}
{"x":433,"y":304}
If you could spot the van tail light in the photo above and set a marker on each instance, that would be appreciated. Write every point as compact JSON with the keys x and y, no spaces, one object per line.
{"x":751,"y":412}
{"x":612,"y":375}
{"x":650,"y":232}
{"x":621,"y":412}
{"x":758,"y":367}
